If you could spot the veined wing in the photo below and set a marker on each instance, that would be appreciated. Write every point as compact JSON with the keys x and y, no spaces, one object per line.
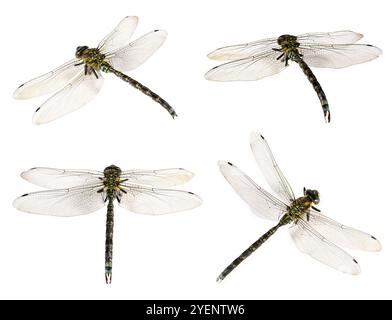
{"x":337,"y":37}
{"x":260,"y":201}
{"x":251,"y":68}
{"x":270,"y":168}
{"x":52,"y":178}
{"x":337,"y":55}
{"x":162,"y":178}
{"x":244,"y":50}
{"x":309,"y":241}
{"x":49,"y":82}
{"x":120,"y":35}
{"x":341,"y":234}
{"x":76,"y":94}
{"x":62,"y":202}
{"x":154,"y":201}
{"x":137,"y":52}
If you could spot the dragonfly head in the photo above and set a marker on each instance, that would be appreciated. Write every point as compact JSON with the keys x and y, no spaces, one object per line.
{"x":80,"y":51}
{"x":288,"y":41}
{"x":112,"y":170}
{"x":313,"y":195}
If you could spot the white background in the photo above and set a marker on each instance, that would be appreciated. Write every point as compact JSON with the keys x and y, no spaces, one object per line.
{"x":180,"y":255}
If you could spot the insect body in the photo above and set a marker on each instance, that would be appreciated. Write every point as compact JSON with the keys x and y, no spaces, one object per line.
{"x":312,"y":232}
{"x":79,"y":80}
{"x":77,"y":192}
{"x":259,"y":59}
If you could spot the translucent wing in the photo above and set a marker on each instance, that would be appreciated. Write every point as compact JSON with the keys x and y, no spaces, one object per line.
{"x":62,"y":202}
{"x":270,"y":168}
{"x":163,"y":178}
{"x":341,"y":234}
{"x":245,"y":50}
{"x":251,"y":68}
{"x":120,"y":35}
{"x":137,"y":52}
{"x":48,"y":82}
{"x":72,"y":97}
{"x":337,"y":37}
{"x":337,"y":55}
{"x":153,"y":201}
{"x":260,"y":201}
{"x":59,"y":178}
{"x":314,"y":244}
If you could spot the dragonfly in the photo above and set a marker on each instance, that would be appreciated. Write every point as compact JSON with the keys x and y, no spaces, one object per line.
{"x":79,"y":80}
{"x":263,"y":58}
{"x":313,"y":233}
{"x":78,"y":192}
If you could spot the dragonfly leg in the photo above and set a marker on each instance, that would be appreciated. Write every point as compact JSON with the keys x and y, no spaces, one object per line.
{"x":79,"y":64}
{"x":95,"y":73}
{"x":280,"y":57}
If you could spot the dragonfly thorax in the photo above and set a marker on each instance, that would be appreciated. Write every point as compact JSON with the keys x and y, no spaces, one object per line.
{"x":111,"y":179}
{"x":91,"y":56}
{"x":288,"y":41}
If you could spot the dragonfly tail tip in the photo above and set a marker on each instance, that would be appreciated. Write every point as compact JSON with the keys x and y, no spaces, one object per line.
{"x":108,"y":277}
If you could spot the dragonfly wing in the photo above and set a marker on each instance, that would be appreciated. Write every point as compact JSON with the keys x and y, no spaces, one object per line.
{"x":337,"y":55}
{"x":52,"y":178}
{"x":49,"y":82}
{"x":120,"y":35}
{"x":245,"y":50}
{"x":137,"y":52}
{"x":62,"y":202}
{"x":251,"y":68}
{"x":154,"y":201}
{"x":163,"y":178}
{"x":260,"y":201}
{"x":72,"y":97}
{"x":270,"y":168}
{"x":342,"y":235}
{"x":311,"y":242}
{"x":337,"y":37}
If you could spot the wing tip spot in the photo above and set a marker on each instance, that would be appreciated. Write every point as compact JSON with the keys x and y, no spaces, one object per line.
{"x":24,"y":195}
{"x":355,"y":261}
{"x":229,"y":163}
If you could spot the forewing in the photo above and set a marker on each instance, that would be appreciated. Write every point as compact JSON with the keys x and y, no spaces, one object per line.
{"x":245,"y":50}
{"x":62,"y":202}
{"x":137,"y":52}
{"x":337,"y":37}
{"x":260,"y":201}
{"x":311,"y":242}
{"x":120,"y":35}
{"x":251,"y":68}
{"x":270,"y":168}
{"x":49,"y":82}
{"x":72,"y":97}
{"x":341,"y":234}
{"x":338,"y":55}
{"x":52,"y":178}
{"x":162,"y":178}
{"x":155,"y":201}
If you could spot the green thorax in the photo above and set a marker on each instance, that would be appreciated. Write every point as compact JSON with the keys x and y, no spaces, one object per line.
{"x":92,"y":57}
{"x":299,"y":208}
{"x":111,"y":180}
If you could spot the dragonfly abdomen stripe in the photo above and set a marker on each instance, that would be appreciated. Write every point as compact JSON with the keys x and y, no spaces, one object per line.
{"x":316,"y":85}
{"x":136,"y":84}
{"x":252,"y":248}
{"x":109,"y":239}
